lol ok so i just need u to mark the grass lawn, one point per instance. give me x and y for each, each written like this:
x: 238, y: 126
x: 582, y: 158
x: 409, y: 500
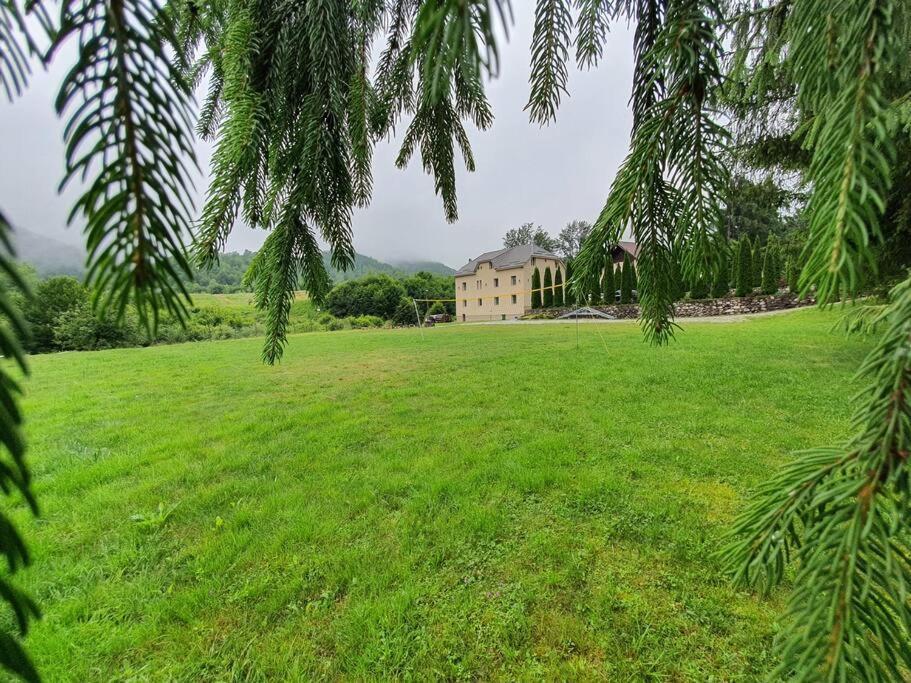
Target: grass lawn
x: 489, y: 502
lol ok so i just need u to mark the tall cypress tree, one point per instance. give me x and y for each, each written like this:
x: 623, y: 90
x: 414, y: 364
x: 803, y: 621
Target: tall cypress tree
x: 536, y: 289
x: 744, y: 281
x: 626, y: 281
x: 769, y: 278
x: 569, y: 296
x: 720, y: 283
x: 792, y: 274
x: 757, y: 263
x: 594, y: 290
x: 548, y: 289
x: 608, y: 286
x: 558, y: 288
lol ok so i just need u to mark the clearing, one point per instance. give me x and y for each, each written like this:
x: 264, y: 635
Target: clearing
x: 488, y: 503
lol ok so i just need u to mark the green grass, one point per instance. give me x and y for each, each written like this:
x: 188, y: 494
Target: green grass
x: 489, y: 502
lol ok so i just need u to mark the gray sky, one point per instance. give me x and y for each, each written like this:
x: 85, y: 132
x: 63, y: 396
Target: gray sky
x: 524, y: 173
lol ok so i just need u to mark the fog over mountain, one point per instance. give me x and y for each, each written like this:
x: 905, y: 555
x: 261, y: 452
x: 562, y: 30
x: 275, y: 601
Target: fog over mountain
x: 548, y: 175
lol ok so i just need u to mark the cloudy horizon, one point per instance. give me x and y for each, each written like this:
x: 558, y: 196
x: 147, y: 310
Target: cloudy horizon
x: 525, y: 173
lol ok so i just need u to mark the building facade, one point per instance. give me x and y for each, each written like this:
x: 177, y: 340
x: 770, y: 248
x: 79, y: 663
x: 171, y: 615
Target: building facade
x: 497, y: 285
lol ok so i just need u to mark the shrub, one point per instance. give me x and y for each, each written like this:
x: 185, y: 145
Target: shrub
x: 608, y: 288
x: 377, y: 295
x: 404, y: 313
x: 53, y: 297
x: 536, y: 289
x: 436, y: 308
x: 558, y: 288
x: 700, y: 289
x: 424, y: 285
x: 78, y: 329
x: 365, y: 321
x: 626, y: 281
x: 548, y: 289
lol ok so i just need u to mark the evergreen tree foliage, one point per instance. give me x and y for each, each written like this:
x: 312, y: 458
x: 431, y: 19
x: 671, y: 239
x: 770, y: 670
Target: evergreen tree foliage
x: 559, y: 298
x: 594, y: 288
x: 626, y: 281
x: 769, y: 277
x: 608, y: 286
x: 536, y: 289
x: 756, y: 263
x: 720, y: 286
x: 792, y: 275
x: 548, y: 298
x: 743, y: 284
x: 294, y: 110
x: 569, y: 291
x: 700, y: 289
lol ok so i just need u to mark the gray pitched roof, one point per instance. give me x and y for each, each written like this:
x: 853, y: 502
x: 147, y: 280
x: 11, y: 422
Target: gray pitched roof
x: 502, y: 259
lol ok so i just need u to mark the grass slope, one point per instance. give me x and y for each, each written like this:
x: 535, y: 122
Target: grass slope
x: 488, y: 503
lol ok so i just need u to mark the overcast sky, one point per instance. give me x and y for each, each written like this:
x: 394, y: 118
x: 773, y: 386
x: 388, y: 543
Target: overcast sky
x: 524, y: 173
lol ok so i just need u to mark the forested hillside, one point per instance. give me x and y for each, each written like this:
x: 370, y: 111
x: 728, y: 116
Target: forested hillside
x: 52, y: 257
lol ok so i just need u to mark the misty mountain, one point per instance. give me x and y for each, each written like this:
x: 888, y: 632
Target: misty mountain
x: 52, y: 257
x: 434, y: 267
x: 47, y: 255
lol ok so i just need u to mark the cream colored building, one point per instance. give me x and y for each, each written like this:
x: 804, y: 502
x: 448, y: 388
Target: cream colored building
x: 497, y: 285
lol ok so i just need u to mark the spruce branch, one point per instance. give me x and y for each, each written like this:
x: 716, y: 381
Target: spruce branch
x: 129, y: 128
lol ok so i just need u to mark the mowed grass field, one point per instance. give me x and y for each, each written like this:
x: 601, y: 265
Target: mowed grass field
x: 488, y: 502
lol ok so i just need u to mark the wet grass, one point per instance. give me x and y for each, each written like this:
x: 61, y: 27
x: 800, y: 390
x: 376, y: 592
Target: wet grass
x: 490, y: 502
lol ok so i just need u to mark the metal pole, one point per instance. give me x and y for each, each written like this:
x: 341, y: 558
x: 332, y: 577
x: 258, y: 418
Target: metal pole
x: 418, y: 316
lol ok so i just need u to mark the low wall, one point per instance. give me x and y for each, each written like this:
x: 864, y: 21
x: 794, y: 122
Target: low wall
x: 695, y: 309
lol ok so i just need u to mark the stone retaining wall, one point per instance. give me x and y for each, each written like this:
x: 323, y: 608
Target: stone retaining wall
x: 696, y: 309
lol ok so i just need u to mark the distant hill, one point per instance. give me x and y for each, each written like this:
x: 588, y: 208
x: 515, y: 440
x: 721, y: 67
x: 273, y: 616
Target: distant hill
x: 434, y: 267
x: 53, y: 257
x: 47, y: 255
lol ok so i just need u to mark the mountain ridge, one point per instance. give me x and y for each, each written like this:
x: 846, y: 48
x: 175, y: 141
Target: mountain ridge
x: 50, y: 256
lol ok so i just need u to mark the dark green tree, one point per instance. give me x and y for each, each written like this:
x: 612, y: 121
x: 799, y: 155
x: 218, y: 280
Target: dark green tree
x: 792, y: 275
x: 559, y: 298
x: 536, y: 289
x: 594, y: 288
x: 720, y: 286
x: 743, y: 284
x: 569, y: 294
x: 700, y: 289
x: 608, y: 286
x: 769, y: 277
x: 548, y: 298
x: 528, y: 233
x: 53, y: 297
x: 626, y: 281
x: 756, y: 263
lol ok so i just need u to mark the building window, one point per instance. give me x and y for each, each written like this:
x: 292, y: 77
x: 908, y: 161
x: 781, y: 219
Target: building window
x: 464, y: 286
x: 503, y: 317
x: 464, y: 303
x: 463, y: 317
x: 480, y: 302
x: 513, y: 280
x: 514, y: 298
x: 496, y: 301
x: 496, y: 282
x: 477, y: 284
